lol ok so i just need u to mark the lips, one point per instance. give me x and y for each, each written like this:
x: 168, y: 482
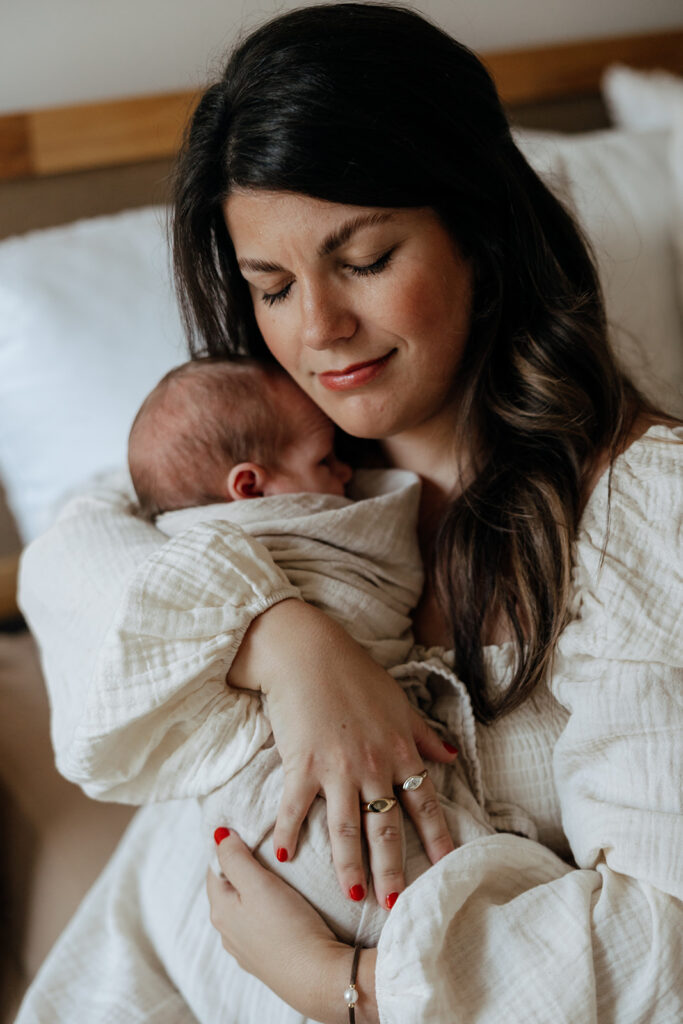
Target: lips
x: 356, y: 375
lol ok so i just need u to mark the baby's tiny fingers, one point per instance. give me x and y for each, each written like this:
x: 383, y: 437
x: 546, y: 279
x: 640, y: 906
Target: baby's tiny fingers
x: 297, y: 797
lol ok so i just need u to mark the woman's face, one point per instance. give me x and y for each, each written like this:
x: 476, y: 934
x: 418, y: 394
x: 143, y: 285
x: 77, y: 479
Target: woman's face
x: 367, y: 309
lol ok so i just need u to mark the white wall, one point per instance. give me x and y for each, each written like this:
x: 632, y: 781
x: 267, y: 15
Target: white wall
x: 54, y: 52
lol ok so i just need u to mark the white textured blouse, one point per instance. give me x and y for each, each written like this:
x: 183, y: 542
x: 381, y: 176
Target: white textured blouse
x: 584, y: 925
x: 588, y: 926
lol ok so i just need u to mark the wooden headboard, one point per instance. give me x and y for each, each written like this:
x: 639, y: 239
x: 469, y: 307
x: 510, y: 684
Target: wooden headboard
x: 63, y: 163
x: 65, y: 139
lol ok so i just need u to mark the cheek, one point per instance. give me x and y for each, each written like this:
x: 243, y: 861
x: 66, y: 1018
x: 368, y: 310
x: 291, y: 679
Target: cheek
x: 429, y: 313
x: 277, y: 338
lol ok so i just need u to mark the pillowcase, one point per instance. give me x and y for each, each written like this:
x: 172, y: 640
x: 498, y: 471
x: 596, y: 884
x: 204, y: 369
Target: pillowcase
x: 641, y: 99
x: 676, y: 155
x: 620, y: 188
x: 88, y: 325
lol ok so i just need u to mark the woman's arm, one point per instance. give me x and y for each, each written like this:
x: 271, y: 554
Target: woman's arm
x: 512, y: 932
x: 344, y: 728
x: 502, y: 929
x: 137, y: 635
x: 276, y: 936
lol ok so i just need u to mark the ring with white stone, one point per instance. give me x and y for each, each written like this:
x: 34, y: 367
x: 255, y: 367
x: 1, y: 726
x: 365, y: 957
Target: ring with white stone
x: 414, y: 781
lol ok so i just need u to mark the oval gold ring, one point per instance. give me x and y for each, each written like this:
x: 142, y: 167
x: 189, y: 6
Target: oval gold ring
x: 379, y: 806
x: 414, y: 781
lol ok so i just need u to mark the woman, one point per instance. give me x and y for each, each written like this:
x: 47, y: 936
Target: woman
x: 350, y: 203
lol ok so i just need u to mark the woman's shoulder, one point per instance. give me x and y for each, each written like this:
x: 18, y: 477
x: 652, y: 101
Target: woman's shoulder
x: 657, y: 445
x: 654, y: 444
x: 628, y: 565
x: 644, y: 482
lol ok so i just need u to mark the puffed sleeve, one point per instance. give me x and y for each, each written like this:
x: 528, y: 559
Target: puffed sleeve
x: 137, y: 634
x: 502, y: 929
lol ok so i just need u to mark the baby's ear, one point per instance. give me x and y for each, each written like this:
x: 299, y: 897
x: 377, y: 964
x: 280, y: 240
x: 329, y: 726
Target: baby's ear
x: 246, y: 480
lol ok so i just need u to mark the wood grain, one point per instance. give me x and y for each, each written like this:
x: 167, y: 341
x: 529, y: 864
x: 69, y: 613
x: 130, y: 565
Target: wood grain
x: 105, y: 134
x: 575, y: 69
x: 62, y: 139
x: 15, y: 146
x: 9, y: 567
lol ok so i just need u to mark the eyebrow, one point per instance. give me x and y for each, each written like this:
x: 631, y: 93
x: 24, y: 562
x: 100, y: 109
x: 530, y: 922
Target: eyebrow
x: 330, y: 243
x: 343, y: 233
x: 258, y: 266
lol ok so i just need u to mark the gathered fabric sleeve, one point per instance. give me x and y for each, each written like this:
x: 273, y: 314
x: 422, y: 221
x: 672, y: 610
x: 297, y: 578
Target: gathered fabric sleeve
x: 137, y: 634
x: 503, y: 929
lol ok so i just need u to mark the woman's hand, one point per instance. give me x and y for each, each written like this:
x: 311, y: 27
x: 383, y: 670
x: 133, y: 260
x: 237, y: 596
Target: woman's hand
x: 274, y: 934
x: 344, y: 728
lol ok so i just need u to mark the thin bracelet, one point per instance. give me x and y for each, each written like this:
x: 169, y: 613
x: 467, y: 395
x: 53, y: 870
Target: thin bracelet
x: 351, y: 993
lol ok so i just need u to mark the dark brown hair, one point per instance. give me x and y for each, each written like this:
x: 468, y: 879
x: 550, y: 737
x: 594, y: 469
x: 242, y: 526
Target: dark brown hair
x: 201, y: 419
x: 371, y: 104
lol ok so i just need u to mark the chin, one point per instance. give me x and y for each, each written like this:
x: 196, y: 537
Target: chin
x: 363, y: 420
x: 367, y: 430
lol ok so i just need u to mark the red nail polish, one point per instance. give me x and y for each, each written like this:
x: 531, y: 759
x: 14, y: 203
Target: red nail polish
x: 450, y: 748
x: 282, y: 855
x: 391, y: 899
x: 357, y: 893
x: 220, y: 834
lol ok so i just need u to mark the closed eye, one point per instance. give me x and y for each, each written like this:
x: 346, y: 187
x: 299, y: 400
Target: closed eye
x: 271, y: 298
x: 380, y: 264
x: 373, y: 268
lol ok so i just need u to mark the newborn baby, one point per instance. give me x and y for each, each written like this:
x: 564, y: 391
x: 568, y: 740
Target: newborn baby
x: 213, y: 433
x: 216, y: 431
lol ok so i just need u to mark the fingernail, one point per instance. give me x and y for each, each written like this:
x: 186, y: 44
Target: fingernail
x: 450, y: 748
x: 220, y: 834
x: 391, y: 899
x: 282, y: 855
x: 357, y: 893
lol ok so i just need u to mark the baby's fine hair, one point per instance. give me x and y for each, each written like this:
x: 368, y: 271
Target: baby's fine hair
x: 201, y: 419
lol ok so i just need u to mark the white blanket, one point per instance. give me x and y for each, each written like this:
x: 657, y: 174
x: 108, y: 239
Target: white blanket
x: 356, y: 558
x: 359, y: 562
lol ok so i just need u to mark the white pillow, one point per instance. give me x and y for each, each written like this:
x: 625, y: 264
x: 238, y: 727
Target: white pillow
x: 621, y: 190
x: 642, y: 100
x: 88, y: 320
x: 639, y: 99
x: 676, y: 155
x: 88, y: 324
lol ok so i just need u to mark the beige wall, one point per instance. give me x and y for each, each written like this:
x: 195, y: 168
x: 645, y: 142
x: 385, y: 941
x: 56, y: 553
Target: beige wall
x: 65, y: 51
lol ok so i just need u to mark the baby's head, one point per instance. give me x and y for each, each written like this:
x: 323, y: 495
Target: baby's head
x: 214, y: 431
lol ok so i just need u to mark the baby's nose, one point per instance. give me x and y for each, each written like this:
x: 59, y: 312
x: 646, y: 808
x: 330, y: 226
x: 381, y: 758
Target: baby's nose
x: 342, y: 471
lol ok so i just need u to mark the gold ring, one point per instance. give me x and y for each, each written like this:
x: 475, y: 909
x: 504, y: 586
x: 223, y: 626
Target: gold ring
x: 379, y: 806
x: 414, y: 781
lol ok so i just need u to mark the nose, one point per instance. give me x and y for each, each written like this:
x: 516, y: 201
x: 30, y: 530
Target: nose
x: 342, y: 471
x: 326, y: 316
